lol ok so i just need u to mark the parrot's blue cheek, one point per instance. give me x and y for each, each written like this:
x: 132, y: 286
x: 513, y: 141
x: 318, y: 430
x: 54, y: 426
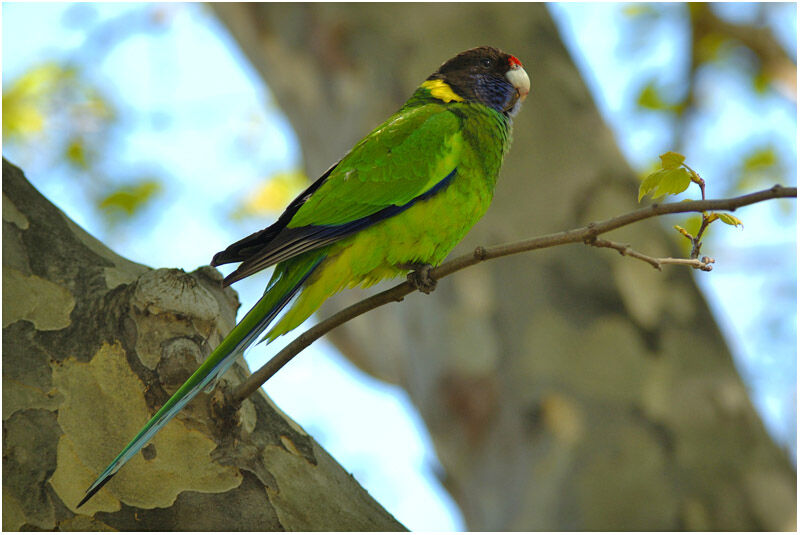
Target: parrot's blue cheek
x: 497, y: 93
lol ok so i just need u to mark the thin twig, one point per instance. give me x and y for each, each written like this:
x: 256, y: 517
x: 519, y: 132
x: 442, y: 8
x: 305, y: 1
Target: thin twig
x: 480, y: 254
x: 626, y: 250
x: 695, y: 177
x: 697, y: 242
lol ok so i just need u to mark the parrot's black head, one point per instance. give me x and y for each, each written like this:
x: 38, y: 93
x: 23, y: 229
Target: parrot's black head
x: 486, y: 75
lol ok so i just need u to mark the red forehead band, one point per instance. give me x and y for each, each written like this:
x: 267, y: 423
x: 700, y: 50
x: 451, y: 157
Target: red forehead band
x: 512, y: 61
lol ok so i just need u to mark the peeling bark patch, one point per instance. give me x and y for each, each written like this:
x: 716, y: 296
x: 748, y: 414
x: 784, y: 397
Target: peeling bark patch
x: 18, y: 396
x: 289, y: 445
x: 247, y: 416
x: 28, y: 297
x: 13, y: 512
x: 103, y: 408
x: 83, y: 523
x: 72, y: 477
x: 274, y: 428
x: 13, y: 215
x: 262, y: 424
x: 14, y: 253
x: 118, y: 277
x: 123, y: 271
x: 27, y: 379
x: 249, y: 500
x: 29, y: 457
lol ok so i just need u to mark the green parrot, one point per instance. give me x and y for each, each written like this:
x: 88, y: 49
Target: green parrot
x: 400, y: 200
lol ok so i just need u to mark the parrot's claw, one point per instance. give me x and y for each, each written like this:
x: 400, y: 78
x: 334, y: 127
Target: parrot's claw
x: 420, y: 277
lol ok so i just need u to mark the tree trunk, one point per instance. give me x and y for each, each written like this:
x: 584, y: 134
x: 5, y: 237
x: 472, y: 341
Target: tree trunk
x: 93, y: 344
x: 570, y: 389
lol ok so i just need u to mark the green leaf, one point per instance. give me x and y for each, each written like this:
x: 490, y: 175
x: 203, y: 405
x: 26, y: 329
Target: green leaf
x: 665, y: 182
x: 760, y: 159
x: 650, y: 98
x: 673, y: 181
x: 25, y: 100
x: 648, y: 184
x: 272, y: 195
x: 730, y: 219
x: 76, y: 153
x: 760, y: 166
x: 711, y: 46
x: 130, y: 199
x: 639, y: 10
x: 671, y: 160
x: 761, y: 82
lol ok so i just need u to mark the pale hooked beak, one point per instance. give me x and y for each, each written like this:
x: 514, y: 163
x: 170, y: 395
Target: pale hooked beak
x: 519, y: 79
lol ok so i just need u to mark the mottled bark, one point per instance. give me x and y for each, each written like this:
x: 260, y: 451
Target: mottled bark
x: 92, y: 345
x: 564, y: 389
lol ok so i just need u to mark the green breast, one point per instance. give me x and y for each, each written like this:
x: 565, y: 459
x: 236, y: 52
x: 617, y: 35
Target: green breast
x: 428, y: 230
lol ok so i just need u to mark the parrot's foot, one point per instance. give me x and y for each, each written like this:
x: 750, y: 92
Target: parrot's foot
x: 420, y: 277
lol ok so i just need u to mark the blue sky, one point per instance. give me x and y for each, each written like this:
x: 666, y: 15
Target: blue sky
x: 208, y: 125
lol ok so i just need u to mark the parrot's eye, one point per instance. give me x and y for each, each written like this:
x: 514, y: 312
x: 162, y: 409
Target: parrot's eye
x: 486, y: 63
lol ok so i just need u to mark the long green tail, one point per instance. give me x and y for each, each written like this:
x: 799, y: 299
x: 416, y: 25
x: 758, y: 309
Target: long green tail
x: 285, y: 283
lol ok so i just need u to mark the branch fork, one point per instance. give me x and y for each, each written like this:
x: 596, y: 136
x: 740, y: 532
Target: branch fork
x: 624, y: 249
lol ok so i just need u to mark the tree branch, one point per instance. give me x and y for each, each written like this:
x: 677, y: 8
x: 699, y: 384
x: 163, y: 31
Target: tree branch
x: 625, y: 250
x: 586, y: 234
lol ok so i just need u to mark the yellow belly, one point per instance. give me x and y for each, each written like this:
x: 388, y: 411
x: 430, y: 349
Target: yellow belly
x: 424, y: 233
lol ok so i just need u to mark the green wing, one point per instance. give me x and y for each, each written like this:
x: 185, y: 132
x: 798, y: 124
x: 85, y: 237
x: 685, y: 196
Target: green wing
x: 411, y: 155
x: 405, y: 157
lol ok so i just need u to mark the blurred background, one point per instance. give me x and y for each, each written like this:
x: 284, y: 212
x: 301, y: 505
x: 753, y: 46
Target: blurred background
x: 149, y: 127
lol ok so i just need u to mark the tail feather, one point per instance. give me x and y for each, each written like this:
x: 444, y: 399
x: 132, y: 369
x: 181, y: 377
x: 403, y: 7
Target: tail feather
x: 282, y: 288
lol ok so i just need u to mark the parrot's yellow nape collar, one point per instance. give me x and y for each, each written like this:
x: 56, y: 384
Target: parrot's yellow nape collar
x: 439, y: 89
